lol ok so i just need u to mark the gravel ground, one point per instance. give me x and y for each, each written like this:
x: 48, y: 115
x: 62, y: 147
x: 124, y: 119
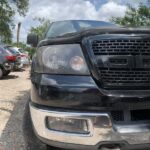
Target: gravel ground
x: 14, y: 91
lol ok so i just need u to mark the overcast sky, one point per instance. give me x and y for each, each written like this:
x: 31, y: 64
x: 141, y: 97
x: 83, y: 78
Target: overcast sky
x: 69, y: 9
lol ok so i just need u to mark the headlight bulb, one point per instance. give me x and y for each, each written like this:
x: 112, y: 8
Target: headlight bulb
x: 77, y: 63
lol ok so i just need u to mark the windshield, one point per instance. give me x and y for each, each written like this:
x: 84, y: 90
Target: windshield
x: 63, y: 27
x: 13, y: 51
x: 1, y: 50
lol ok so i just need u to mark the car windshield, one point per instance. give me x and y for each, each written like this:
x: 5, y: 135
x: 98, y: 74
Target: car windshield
x: 13, y: 51
x: 61, y: 28
x: 1, y: 50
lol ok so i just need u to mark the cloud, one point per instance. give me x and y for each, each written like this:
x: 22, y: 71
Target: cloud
x: 75, y: 9
x: 69, y: 9
x: 111, y: 9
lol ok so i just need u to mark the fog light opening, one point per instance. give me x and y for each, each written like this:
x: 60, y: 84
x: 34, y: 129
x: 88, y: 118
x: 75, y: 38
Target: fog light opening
x: 110, y: 147
x: 67, y: 125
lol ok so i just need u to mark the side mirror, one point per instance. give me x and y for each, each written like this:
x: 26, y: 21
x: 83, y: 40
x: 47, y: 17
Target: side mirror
x: 32, y: 39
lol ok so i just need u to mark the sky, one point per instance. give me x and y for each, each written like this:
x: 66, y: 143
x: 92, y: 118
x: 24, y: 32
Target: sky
x: 69, y: 9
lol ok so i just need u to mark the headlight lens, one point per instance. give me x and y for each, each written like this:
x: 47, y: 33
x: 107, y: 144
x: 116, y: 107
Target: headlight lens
x: 63, y: 59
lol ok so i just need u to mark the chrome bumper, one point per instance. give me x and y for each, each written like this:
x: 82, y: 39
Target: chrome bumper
x: 132, y: 135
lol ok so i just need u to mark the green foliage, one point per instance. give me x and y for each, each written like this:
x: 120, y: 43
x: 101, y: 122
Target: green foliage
x: 22, y: 6
x: 135, y: 17
x: 7, y: 12
x: 20, y: 44
x: 41, y: 29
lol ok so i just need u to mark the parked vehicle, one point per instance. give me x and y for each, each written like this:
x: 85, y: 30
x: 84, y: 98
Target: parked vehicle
x: 6, y: 62
x: 90, y: 88
x: 17, y: 64
x: 25, y: 60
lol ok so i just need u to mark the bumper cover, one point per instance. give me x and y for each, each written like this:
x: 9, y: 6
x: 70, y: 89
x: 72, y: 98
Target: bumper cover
x: 99, y: 133
x: 82, y: 93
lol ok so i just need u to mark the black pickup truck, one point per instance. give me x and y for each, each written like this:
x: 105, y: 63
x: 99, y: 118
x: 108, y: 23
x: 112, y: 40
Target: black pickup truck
x: 90, y: 88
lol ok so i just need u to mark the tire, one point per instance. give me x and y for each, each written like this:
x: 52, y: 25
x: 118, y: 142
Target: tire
x: 31, y: 141
x: 6, y: 73
x: 1, y: 73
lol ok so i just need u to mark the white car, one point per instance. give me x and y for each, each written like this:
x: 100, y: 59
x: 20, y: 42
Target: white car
x: 25, y: 60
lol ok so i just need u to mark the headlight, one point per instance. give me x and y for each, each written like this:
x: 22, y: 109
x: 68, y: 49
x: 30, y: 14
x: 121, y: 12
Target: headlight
x: 63, y: 59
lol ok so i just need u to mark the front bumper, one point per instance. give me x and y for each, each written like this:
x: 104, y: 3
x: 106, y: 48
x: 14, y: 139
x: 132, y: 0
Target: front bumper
x: 104, y: 132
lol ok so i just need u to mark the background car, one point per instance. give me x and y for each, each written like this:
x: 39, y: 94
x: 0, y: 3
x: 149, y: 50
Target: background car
x: 25, y: 60
x: 6, y: 62
x: 17, y: 64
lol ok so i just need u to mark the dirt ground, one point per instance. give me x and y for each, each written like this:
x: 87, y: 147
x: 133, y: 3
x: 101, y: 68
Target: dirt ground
x: 14, y: 91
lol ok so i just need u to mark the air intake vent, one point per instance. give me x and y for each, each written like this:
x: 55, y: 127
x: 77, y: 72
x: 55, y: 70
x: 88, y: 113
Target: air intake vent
x: 117, y: 115
x: 140, y: 115
x: 132, y: 115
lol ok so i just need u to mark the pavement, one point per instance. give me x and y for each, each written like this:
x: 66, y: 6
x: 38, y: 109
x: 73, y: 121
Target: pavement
x: 14, y: 92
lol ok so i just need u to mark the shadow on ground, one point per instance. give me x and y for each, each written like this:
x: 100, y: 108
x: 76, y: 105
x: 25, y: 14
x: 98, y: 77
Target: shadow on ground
x: 9, y: 77
x: 20, y: 70
x: 12, y: 135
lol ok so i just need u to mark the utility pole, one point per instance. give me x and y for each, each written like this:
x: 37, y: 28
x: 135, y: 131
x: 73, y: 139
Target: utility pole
x: 18, y: 33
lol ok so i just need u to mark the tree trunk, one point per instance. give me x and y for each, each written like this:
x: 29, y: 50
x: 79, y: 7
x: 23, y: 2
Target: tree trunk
x: 18, y: 33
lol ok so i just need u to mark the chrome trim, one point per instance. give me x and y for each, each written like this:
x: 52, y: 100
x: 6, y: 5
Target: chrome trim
x: 98, y: 133
x: 133, y: 128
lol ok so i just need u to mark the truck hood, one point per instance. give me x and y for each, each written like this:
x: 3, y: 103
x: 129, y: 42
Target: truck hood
x: 77, y: 37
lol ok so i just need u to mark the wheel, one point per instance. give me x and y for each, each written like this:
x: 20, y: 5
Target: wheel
x: 1, y: 73
x: 31, y: 141
x: 6, y: 73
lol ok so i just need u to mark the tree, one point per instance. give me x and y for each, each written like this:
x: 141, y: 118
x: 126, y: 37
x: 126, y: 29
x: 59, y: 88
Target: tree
x: 8, y: 8
x: 20, y: 45
x: 18, y: 32
x: 22, y: 6
x: 41, y: 29
x: 135, y: 17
